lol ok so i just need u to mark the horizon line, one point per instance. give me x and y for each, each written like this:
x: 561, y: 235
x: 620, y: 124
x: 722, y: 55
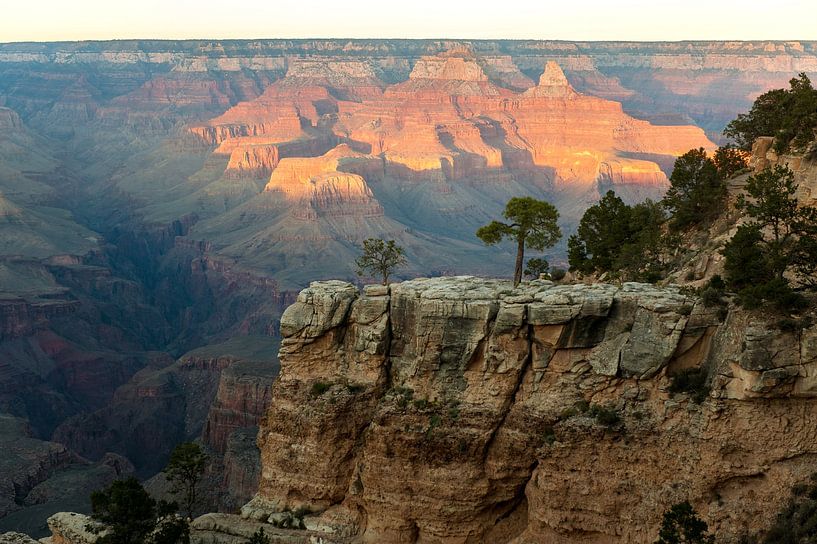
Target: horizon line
x: 556, y: 40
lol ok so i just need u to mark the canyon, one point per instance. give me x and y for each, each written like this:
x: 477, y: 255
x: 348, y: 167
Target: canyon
x: 163, y: 203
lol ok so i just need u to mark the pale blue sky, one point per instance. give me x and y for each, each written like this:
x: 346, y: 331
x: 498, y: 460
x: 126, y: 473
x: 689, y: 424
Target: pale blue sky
x: 41, y: 20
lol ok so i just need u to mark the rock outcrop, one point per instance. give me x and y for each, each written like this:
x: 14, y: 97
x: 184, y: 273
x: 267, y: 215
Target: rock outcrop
x: 16, y: 538
x: 463, y: 410
x: 71, y: 528
x: 804, y: 167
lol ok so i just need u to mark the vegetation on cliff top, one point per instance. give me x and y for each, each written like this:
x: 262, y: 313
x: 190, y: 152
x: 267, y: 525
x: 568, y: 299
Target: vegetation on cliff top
x: 790, y: 115
x: 633, y: 242
x: 380, y: 257
x: 532, y: 223
x: 776, y: 247
x: 771, y: 258
x: 697, y: 190
x: 617, y: 238
x: 132, y: 516
x: 184, y: 470
x: 796, y: 523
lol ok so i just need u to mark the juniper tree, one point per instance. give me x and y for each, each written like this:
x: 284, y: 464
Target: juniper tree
x: 380, y: 257
x: 184, y: 471
x: 682, y: 525
x: 696, y: 190
x: 778, y: 242
x: 531, y: 223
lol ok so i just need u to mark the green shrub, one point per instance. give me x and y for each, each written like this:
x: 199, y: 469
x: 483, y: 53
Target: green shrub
x: 579, y: 407
x: 319, y: 388
x: 549, y: 435
x: 796, y: 523
x: 788, y: 324
x: 693, y: 381
x: 536, y: 266
x: 557, y: 274
x: 259, y: 537
x: 127, y: 509
x: 711, y: 297
x: 454, y: 413
x: 681, y: 524
x: 603, y: 415
x: 716, y: 282
x: 172, y: 530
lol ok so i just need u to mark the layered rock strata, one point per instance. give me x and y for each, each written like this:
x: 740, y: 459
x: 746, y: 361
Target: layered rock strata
x: 450, y: 121
x: 464, y: 410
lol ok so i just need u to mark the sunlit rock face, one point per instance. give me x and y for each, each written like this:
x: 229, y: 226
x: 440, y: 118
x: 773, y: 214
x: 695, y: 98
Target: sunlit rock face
x: 342, y: 156
x: 449, y: 121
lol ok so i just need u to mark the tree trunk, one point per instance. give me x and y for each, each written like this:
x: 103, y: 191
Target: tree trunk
x: 520, y: 259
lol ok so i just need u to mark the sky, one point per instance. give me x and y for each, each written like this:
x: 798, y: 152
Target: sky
x: 640, y: 20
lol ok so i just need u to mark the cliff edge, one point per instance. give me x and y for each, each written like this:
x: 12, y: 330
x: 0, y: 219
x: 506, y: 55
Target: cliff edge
x: 459, y: 409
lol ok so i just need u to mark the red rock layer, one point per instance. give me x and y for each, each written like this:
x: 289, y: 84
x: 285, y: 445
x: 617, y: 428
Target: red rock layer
x: 449, y: 121
x: 242, y: 398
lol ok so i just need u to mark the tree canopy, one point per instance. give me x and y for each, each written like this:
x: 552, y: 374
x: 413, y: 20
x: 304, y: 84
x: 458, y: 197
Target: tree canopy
x: 730, y: 161
x: 184, y: 470
x: 789, y: 115
x: 127, y: 509
x: 380, y: 257
x: 697, y: 190
x: 531, y: 223
x: 620, y: 239
x: 777, y: 243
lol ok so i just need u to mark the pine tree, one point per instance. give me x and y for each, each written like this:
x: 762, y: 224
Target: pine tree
x: 531, y: 222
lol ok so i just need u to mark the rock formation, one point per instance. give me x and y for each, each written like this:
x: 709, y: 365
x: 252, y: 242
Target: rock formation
x: 71, y: 528
x: 16, y: 538
x: 463, y: 410
x: 804, y: 168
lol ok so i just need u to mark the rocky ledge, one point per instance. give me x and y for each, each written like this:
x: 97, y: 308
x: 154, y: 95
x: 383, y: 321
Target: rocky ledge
x: 463, y: 410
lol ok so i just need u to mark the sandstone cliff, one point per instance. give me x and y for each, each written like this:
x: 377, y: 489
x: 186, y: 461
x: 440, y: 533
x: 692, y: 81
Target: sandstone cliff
x: 463, y: 410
